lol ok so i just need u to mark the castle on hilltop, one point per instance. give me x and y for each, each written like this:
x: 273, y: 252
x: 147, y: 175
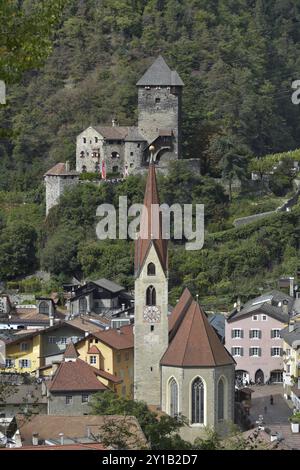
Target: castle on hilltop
x: 120, y: 150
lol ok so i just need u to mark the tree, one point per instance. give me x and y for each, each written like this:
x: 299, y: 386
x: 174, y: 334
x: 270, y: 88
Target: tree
x: 231, y: 154
x: 162, y: 433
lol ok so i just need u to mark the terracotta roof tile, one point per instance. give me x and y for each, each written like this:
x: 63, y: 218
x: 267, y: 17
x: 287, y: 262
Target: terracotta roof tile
x: 75, y: 376
x: 122, y: 340
x: 70, y: 352
x: 195, y: 342
x: 149, y: 227
x: 94, y: 350
x: 60, y: 170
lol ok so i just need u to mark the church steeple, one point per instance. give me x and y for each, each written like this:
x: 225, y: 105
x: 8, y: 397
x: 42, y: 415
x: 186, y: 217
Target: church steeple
x: 151, y: 226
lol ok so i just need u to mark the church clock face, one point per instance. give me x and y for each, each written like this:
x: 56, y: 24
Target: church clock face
x: 151, y: 314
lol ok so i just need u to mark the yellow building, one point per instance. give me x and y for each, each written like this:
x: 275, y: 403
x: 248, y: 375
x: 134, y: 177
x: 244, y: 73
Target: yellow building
x: 23, y: 353
x: 111, y: 352
x: 291, y: 361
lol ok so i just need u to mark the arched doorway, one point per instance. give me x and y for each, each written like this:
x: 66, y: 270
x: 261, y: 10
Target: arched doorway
x: 259, y: 377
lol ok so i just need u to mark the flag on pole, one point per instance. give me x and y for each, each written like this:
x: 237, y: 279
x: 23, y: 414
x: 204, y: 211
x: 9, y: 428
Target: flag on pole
x: 126, y: 171
x: 103, y: 171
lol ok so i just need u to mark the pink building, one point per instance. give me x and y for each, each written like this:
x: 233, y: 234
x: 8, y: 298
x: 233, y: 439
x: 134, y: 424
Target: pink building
x: 252, y: 336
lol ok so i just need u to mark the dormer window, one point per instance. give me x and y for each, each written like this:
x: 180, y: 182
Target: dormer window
x: 151, y: 269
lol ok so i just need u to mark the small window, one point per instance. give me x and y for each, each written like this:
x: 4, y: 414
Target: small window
x: 157, y: 100
x: 255, y: 317
x: 151, y: 369
x: 138, y: 146
x: 131, y: 165
x: 93, y: 359
x: 115, y: 169
x: 275, y: 333
x: 255, y: 352
x: 115, y: 155
x: 151, y: 269
x: 275, y: 352
x: 118, y: 357
x: 24, y: 347
x: 69, y: 400
x: 63, y: 340
x: 84, y: 398
x: 151, y: 296
x: 131, y: 154
x: 96, y: 140
x: 152, y: 328
x: 264, y: 317
x: 83, y: 169
x: 51, y: 339
x: 237, y: 333
x: 237, y: 351
x: 255, y: 334
x: 82, y: 154
x: 9, y: 363
x: 44, y: 308
x: 84, y: 140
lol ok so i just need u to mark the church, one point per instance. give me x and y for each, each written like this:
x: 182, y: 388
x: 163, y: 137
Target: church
x: 180, y: 365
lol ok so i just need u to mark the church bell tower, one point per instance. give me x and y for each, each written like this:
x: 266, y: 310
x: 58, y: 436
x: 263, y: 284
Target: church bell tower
x: 151, y: 299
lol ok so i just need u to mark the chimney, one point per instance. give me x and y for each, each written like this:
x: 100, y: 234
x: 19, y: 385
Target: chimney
x: 67, y: 166
x: 35, y: 438
x: 61, y: 435
x: 285, y: 307
x: 238, y: 304
x: 291, y: 326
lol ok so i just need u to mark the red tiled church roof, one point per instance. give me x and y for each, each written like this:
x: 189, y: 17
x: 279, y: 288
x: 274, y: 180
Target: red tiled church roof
x: 142, y: 245
x: 193, y: 341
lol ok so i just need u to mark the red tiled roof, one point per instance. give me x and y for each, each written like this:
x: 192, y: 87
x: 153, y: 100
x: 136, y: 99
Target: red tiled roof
x: 179, y: 311
x: 60, y: 169
x: 195, y: 342
x: 111, y: 337
x: 142, y: 245
x: 75, y: 376
x: 71, y: 352
x: 94, y: 350
x: 106, y: 375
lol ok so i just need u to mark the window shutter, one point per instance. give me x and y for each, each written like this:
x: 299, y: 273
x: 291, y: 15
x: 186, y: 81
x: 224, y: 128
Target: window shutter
x: 250, y: 334
x: 281, y: 351
x: 271, y: 351
x: 242, y: 333
x: 242, y: 351
x: 250, y: 354
x: 260, y: 334
x: 20, y: 362
x: 232, y: 351
x: 259, y: 351
x: 232, y: 334
x: 29, y: 363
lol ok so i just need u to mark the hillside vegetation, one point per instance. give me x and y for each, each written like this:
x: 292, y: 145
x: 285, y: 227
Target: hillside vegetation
x: 237, y: 59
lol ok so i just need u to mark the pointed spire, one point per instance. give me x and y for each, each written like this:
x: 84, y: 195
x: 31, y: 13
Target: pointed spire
x: 151, y: 225
x: 160, y: 74
x: 70, y: 352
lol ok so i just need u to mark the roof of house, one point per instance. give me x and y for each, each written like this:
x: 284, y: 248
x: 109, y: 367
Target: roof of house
x: 151, y: 229
x: 269, y: 303
x: 193, y: 341
x: 121, y: 338
x: 49, y: 427
x: 112, y: 132
x: 70, y: 352
x: 77, y: 376
x: 159, y: 73
x: 256, y: 437
x: 108, y: 285
x: 290, y: 337
x: 217, y: 321
x: 93, y: 350
x: 60, y: 170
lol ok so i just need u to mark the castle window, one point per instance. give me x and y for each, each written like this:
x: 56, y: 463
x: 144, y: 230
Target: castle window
x: 96, y: 140
x: 44, y: 308
x: 82, y: 305
x: 221, y: 399
x: 173, y: 394
x: 115, y: 155
x: 131, y: 153
x: 152, y: 328
x: 157, y: 100
x: 84, y: 140
x: 82, y: 154
x: 151, y: 269
x: 131, y: 165
x: 197, y: 401
x: 151, y: 296
x: 138, y: 146
x: 115, y: 169
x: 84, y: 169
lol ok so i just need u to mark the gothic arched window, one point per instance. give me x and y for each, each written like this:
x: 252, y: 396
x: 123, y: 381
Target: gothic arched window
x: 82, y: 305
x: 198, y: 401
x: 44, y: 308
x: 151, y: 269
x: 221, y: 390
x: 173, y: 394
x: 151, y: 296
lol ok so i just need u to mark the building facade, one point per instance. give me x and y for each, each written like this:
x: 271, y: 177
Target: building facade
x: 252, y: 335
x: 291, y: 362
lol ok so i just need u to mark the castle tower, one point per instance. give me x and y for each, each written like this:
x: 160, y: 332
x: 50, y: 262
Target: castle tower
x: 57, y: 179
x: 151, y: 300
x: 159, y: 110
